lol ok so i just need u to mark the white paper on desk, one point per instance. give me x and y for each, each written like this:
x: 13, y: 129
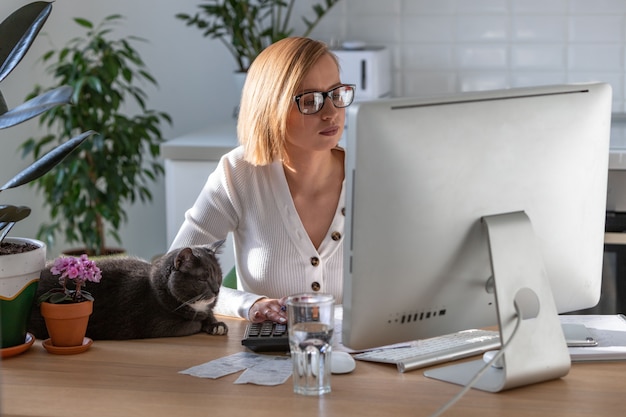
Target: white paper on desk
x: 273, y: 371
x: 225, y: 366
x: 608, y: 330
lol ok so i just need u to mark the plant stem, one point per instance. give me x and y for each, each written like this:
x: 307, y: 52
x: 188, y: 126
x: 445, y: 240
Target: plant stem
x: 99, y: 223
x: 77, y: 291
x: 287, y: 17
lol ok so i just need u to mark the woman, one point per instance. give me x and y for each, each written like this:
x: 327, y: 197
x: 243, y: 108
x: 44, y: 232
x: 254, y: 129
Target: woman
x: 281, y: 191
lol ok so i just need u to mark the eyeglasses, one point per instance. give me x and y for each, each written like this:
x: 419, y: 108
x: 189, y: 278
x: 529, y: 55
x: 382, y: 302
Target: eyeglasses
x: 312, y: 102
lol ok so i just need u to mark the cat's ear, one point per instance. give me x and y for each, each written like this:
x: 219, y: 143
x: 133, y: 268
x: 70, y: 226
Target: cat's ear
x: 184, y: 255
x: 217, y: 246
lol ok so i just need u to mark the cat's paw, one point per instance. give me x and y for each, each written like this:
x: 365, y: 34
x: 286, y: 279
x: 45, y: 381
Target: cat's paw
x: 218, y: 328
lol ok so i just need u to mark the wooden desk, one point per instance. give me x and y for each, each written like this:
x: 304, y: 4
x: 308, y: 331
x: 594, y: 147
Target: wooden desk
x: 140, y: 378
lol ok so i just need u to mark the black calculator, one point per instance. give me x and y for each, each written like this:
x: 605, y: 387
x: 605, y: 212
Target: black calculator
x: 267, y: 336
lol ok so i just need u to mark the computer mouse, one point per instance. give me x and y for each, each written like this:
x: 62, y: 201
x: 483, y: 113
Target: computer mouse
x: 488, y: 357
x: 341, y: 363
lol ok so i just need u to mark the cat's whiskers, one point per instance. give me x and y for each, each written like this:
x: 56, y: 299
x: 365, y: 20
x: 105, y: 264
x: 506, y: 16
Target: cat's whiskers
x: 198, y: 303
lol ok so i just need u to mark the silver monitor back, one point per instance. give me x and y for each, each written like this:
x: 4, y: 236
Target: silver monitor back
x: 422, y: 172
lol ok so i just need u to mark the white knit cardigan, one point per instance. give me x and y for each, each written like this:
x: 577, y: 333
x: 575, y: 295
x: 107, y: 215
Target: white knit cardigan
x: 274, y: 256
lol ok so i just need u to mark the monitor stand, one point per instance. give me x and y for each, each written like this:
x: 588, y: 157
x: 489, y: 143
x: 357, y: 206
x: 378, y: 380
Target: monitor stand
x: 537, y: 351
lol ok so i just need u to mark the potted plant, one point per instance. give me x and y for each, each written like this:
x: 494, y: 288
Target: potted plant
x: 86, y: 195
x: 66, y: 310
x: 21, y: 259
x: 246, y: 27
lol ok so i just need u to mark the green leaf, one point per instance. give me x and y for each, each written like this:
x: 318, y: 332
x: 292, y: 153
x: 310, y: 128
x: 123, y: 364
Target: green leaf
x: 54, y: 296
x: 36, y: 106
x: 247, y: 27
x: 83, y: 22
x: 87, y: 296
x: 18, y: 31
x: 46, y: 162
x: 9, y: 213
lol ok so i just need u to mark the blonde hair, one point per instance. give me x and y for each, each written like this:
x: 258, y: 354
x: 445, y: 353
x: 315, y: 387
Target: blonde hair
x: 271, y: 82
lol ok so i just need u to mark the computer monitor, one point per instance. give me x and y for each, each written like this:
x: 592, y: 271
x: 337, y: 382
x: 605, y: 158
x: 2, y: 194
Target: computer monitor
x: 426, y: 177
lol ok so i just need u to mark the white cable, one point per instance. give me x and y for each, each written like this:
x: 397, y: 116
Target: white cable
x: 482, y: 370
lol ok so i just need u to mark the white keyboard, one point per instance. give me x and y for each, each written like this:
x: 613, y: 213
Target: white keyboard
x: 436, y: 350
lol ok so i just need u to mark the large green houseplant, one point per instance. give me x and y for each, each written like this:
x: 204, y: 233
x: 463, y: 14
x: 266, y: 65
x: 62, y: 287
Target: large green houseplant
x: 22, y: 259
x: 246, y: 27
x: 86, y: 195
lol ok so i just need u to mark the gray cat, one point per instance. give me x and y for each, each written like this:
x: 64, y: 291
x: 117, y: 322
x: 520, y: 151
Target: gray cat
x: 173, y: 296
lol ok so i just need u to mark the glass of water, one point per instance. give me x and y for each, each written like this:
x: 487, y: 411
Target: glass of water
x: 311, y: 324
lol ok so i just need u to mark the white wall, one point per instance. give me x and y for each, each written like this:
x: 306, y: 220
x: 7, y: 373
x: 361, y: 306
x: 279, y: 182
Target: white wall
x: 459, y: 45
x: 438, y: 46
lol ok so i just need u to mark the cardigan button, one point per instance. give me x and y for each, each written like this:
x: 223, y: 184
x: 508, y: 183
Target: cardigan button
x: 335, y: 236
x: 315, y: 286
x: 315, y: 261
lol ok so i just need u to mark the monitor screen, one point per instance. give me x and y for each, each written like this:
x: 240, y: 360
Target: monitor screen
x: 421, y: 173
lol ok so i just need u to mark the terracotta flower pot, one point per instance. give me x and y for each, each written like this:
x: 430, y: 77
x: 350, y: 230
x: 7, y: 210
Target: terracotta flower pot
x: 67, y: 323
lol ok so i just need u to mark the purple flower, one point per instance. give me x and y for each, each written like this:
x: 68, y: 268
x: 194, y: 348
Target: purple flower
x: 78, y: 270
x: 72, y: 272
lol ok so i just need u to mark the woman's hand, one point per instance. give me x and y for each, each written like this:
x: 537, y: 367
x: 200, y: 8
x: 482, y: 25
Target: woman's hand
x: 269, y: 309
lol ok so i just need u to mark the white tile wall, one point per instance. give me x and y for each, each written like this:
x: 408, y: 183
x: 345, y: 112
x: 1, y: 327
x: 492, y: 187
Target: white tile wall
x: 442, y: 46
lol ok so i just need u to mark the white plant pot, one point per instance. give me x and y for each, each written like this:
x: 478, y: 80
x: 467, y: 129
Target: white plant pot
x: 19, y: 278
